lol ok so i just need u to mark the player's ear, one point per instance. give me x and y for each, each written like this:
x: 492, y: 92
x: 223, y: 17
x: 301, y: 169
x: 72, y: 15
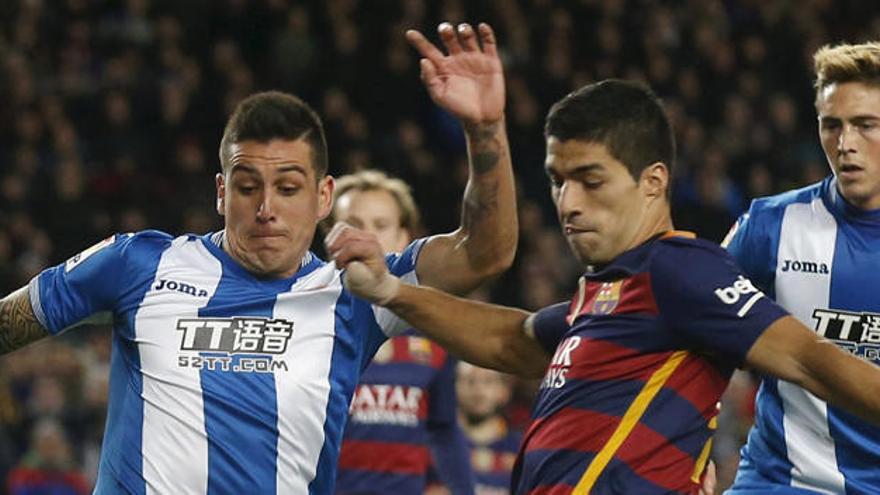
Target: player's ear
x: 325, y: 196
x: 221, y: 193
x: 655, y: 180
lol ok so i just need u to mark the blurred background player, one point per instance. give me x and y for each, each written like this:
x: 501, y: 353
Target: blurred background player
x: 403, y: 412
x: 482, y: 396
x: 816, y: 250
x: 49, y: 468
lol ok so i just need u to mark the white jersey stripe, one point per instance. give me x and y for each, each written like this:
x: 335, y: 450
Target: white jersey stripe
x: 809, y: 443
x: 303, y: 392
x: 173, y: 408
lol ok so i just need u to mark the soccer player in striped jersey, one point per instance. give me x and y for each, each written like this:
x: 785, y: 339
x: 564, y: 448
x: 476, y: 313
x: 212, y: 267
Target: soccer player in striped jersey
x: 482, y: 394
x: 634, y: 365
x: 816, y: 250
x: 403, y: 412
x: 236, y: 353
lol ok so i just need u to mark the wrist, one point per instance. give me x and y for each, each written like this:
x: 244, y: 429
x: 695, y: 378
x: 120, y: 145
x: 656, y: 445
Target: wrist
x: 478, y: 128
x: 386, y: 290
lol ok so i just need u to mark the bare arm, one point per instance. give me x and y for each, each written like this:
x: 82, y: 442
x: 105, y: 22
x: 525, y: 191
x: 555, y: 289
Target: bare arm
x: 469, y: 83
x: 487, y: 335
x: 484, y: 334
x: 791, y: 351
x: 18, y: 325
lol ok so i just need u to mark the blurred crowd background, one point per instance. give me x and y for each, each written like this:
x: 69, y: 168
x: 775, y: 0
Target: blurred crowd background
x: 112, y: 112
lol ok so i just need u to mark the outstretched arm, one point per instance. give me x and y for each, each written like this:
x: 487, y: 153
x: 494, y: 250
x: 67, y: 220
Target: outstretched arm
x: 468, y: 82
x: 792, y: 352
x: 487, y: 335
x: 18, y: 325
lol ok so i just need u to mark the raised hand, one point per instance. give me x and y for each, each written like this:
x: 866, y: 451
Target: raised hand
x: 469, y: 81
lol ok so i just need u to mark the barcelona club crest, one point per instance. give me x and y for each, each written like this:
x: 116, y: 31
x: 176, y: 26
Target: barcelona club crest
x: 607, y: 298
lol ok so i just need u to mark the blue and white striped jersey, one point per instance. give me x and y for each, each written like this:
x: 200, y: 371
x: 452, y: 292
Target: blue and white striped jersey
x: 820, y: 258
x: 221, y: 382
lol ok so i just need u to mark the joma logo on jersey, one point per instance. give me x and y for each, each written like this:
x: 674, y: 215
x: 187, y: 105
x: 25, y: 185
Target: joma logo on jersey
x: 804, y: 266
x: 235, y: 335
x: 182, y: 287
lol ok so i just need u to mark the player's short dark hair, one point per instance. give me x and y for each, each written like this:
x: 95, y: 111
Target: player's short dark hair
x: 270, y: 115
x: 627, y: 117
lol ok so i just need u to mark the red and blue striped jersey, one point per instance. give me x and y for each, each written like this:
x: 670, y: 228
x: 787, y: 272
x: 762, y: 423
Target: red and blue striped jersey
x: 641, y: 356
x: 493, y: 461
x: 406, y: 391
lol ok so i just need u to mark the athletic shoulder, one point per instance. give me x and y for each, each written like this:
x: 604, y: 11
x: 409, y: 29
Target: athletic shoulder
x: 769, y: 209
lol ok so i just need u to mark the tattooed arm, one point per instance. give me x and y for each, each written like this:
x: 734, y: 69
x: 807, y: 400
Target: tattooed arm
x: 469, y: 83
x: 18, y: 325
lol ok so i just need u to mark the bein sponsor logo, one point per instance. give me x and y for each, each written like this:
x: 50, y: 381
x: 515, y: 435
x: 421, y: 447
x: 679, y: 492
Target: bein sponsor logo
x: 732, y: 294
x: 805, y: 267
x: 741, y: 287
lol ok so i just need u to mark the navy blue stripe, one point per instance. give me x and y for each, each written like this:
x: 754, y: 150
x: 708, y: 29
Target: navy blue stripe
x: 416, y: 435
x: 362, y: 482
x: 546, y: 468
x: 241, y: 410
x: 669, y: 414
x: 552, y: 467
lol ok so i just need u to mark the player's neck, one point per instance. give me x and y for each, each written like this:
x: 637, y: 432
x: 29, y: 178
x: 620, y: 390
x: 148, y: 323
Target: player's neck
x: 654, y: 223
x: 484, y: 432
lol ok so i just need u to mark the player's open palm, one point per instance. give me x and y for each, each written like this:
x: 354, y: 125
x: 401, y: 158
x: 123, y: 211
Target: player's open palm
x: 467, y: 82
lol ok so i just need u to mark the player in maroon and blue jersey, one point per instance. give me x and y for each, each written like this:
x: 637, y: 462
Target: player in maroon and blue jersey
x: 634, y: 365
x: 482, y: 394
x: 403, y: 412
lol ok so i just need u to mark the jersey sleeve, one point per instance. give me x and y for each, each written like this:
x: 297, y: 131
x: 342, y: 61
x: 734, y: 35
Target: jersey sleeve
x: 401, y: 265
x: 706, y: 299
x: 84, y: 285
x: 751, y: 243
x: 549, y: 325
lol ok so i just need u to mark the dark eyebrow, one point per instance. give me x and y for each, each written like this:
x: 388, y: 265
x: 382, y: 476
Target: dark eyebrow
x: 246, y: 168
x: 855, y: 119
x: 859, y: 119
x: 579, y: 169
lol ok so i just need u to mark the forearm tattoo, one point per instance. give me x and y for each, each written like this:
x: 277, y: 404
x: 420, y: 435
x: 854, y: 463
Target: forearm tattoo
x: 18, y: 325
x: 479, y: 207
x: 485, y: 146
